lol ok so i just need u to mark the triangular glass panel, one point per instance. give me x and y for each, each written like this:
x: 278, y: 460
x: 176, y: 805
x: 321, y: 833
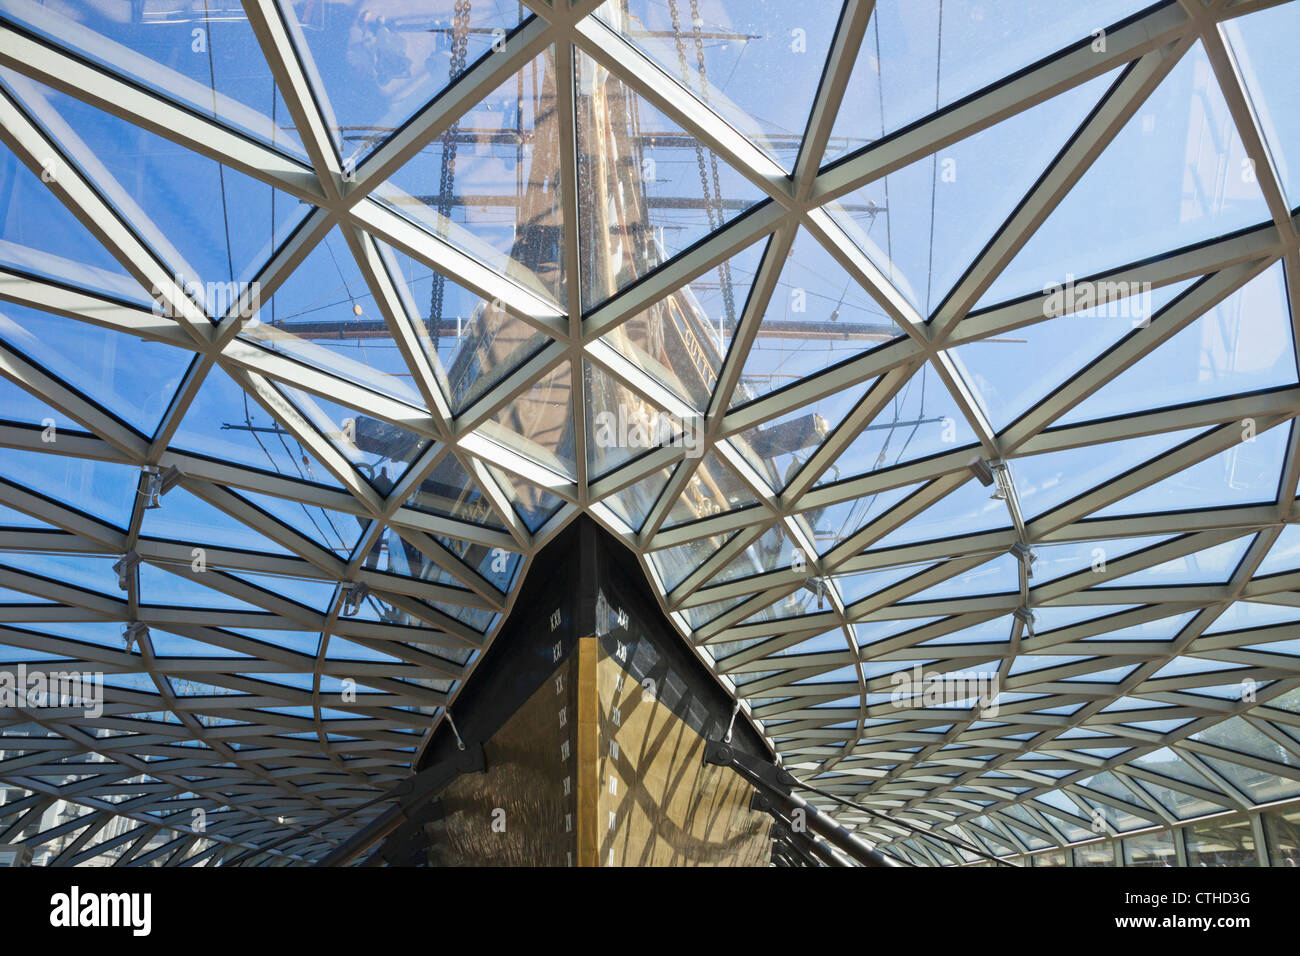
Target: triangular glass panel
x: 1259, y: 784
x: 1176, y: 174
x: 160, y: 588
x: 333, y: 530
x: 1238, y: 734
x: 373, y: 69
x: 1045, y: 481
x: 920, y: 420
x: 9, y: 518
x: 132, y: 378
x: 1054, y: 618
x: 449, y: 491
x: 21, y: 406
x: 862, y: 584
x: 1162, y: 629
x: 1010, y: 372
x: 225, y: 423
x: 833, y: 523
x: 495, y: 564
x: 1211, y: 566
x: 1053, y: 561
x: 967, y: 509
x: 995, y: 631
x: 324, y: 315
x: 728, y: 54
x: 818, y: 317
x: 1184, y: 666
x: 925, y: 224
x: 713, y: 489
x: 1243, y: 615
x: 667, y: 200
x: 393, y: 554
x: 1243, y: 344
x: 497, y: 196
x: 533, y: 504
x: 633, y: 503
x: 539, y: 423
x: 772, y: 551
x: 998, y: 576
x: 779, y: 447
x: 621, y: 424
x: 194, y: 53
x: 675, y: 564
x: 104, y: 489
x: 305, y: 591
x: 804, y: 601
x: 213, y: 227
x: 702, y: 614
x: 1284, y: 555
x: 1261, y: 44
x: 1030, y: 663
x: 91, y: 572
x: 40, y: 236
x: 379, y: 450
x: 471, y: 343
x: 186, y: 518
x: 683, y: 338
x: 301, y: 642
x: 1247, y: 473
x: 919, y: 56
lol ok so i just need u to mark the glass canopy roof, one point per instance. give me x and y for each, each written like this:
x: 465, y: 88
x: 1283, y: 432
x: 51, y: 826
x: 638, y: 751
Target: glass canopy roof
x: 937, y: 359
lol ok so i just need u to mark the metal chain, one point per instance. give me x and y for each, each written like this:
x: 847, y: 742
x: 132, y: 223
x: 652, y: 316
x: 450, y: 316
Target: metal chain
x: 724, y: 270
x: 459, y: 54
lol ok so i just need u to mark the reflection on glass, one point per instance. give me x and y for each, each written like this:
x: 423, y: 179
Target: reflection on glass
x: 757, y: 63
x: 682, y: 339
x: 490, y: 184
x: 194, y: 51
x: 471, y: 343
x: 40, y: 236
x: 539, y: 423
x: 647, y: 189
x: 1221, y: 843
x: 376, y: 62
x: 1149, y: 849
x: 1095, y: 854
x: 1051, y: 858
x: 1243, y: 344
x: 1282, y: 834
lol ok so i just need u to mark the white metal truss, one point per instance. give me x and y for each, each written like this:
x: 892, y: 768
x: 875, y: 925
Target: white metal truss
x: 254, y: 736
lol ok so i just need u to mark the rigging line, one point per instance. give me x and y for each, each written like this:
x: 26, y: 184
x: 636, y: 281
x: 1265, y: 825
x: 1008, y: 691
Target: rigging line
x: 347, y: 290
x: 248, y: 420
x: 934, y: 165
x: 221, y: 170
x: 919, y: 417
x: 309, y: 475
x: 880, y: 90
x: 713, y: 194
